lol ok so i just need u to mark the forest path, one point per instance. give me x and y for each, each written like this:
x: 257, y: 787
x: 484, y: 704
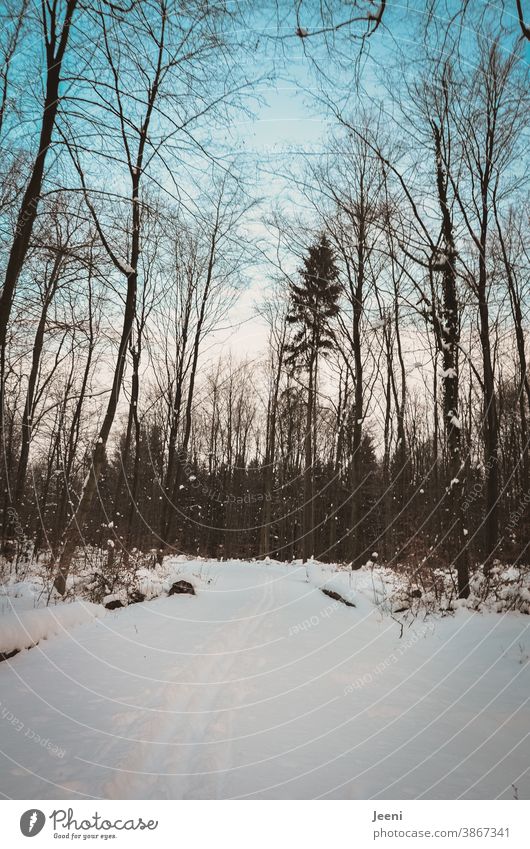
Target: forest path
x: 262, y: 686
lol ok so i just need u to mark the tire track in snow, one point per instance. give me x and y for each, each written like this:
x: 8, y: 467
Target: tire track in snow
x: 198, y: 766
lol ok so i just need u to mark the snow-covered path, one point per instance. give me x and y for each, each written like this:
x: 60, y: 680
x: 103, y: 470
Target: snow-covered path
x: 261, y: 686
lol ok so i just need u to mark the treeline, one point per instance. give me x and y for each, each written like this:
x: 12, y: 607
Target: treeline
x: 389, y: 412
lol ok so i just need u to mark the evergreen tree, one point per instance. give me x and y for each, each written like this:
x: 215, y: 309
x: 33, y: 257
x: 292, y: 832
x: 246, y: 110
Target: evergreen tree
x: 314, y: 303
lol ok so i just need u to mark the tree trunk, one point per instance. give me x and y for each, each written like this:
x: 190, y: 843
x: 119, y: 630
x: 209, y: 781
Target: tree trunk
x: 27, y: 418
x: 449, y: 333
x: 55, y: 50
x: 309, y: 507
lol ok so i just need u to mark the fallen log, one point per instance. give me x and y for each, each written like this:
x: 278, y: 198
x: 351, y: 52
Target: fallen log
x: 337, y: 597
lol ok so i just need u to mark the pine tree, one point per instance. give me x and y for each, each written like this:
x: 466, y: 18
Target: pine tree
x: 314, y: 303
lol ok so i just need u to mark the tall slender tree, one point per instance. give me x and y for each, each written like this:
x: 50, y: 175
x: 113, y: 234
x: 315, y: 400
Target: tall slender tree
x: 314, y: 303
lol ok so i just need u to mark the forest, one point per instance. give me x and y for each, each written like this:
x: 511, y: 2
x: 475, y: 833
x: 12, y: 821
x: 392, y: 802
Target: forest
x: 383, y: 410
x: 265, y: 417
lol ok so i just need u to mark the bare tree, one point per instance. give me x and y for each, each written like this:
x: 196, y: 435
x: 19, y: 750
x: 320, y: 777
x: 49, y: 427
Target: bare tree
x: 55, y: 24
x: 171, y: 45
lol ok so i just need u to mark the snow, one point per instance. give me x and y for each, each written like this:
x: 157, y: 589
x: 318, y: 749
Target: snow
x: 261, y: 686
x: 25, y: 629
x: 22, y: 594
x: 125, y: 267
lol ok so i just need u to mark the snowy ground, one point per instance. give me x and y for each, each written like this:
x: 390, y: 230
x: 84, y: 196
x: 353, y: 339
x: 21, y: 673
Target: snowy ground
x: 261, y: 686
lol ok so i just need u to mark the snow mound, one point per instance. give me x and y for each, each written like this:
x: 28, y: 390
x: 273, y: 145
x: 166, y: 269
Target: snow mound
x: 24, y: 594
x: 23, y: 630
